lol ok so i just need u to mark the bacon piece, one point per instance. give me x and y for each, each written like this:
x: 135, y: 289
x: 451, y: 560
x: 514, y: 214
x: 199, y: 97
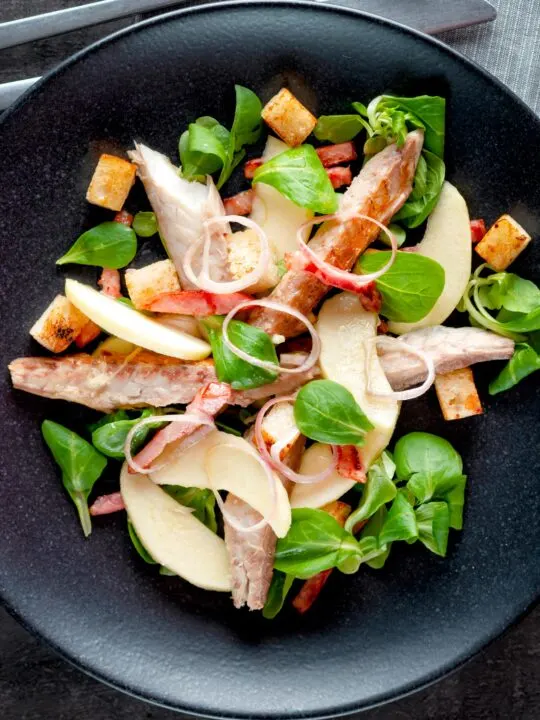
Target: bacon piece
x: 197, y: 302
x: 349, y: 464
x: 208, y: 402
x: 379, y: 191
x: 107, y: 504
x: 331, y: 155
x: 239, y: 204
x: 109, y: 282
x: 124, y: 218
x: 311, y: 588
x: 339, y: 176
x: 89, y: 332
x: 478, y: 230
x: 251, y: 166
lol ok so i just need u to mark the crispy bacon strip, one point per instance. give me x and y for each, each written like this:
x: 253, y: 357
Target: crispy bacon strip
x: 208, y: 402
x: 239, y: 204
x: 331, y: 155
x: 339, y: 176
x: 124, y: 218
x: 197, y: 302
x: 109, y: 282
x: 349, y: 464
x: 311, y: 588
x: 478, y: 230
x: 107, y: 504
x: 251, y: 166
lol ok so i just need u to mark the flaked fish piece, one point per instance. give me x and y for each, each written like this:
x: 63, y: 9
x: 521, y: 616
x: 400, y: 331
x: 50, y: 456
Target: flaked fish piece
x: 252, y: 553
x: 144, y: 379
x: 379, y: 191
x: 449, y: 348
x: 181, y: 206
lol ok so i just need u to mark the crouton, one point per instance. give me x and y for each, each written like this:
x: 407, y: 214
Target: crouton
x: 59, y: 325
x: 288, y: 118
x: 243, y: 252
x: 146, y: 284
x: 457, y: 394
x: 111, y: 182
x: 503, y: 242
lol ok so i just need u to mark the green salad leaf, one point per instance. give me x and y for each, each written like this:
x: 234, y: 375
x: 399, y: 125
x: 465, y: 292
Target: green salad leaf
x: 523, y: 363
x: 410, y: 288
x: 201, y: 500
x: 373, y: 529
x: 379, y: 490
x: 109, y: 438
x: 207, y: 146
x: 145, y: 224
x: 327, y: 412
x: 400, y: 522
x: 433, y: 523
x: 427, y: 186
x: 340, y: 128
x: 277, y: 594
x: 399, y: 233
x: 111, y: 245
x: 80, y: 463
x: 240, y: 374
x: 137, y: 544
x: 300, y: 176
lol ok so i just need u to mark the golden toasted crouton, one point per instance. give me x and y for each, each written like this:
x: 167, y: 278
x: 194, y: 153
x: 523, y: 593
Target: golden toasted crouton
x: 457, y: 394
x: 503, y: 242
x: 243, y: 252
x: 288, y: 118
x: 59, y: 325
x: 111, y: 182
x: 146, y: 284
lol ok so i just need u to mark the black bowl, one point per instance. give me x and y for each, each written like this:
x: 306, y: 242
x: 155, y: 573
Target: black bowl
x: 372, y: 636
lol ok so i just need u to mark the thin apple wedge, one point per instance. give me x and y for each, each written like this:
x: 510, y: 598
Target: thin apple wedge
x: 221, y: 461
x: 448, y: 241
x: 348, y: 357
x: 128, y: 324
x: 173, y: 536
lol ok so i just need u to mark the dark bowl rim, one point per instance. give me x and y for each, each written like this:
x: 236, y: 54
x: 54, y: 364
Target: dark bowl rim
x: 488, y: 638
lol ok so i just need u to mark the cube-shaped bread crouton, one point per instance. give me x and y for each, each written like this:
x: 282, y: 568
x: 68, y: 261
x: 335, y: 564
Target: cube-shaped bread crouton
x: 503, y: 242
x: 145, y: 284
x: 243, y: 252
x: 59, y: 325
x: 288, y: 118
x: 111, y: 182
x: 457, y: 394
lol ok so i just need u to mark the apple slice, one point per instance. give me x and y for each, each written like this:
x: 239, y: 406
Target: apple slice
x: 221, y: 461
x: 448, y: 241
x: 348, y: 356
x: 274, y: 213
x: 173, y: 536
x: 128, y: 324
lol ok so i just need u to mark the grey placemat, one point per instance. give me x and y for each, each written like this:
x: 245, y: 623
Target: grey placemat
x: 509, y: 48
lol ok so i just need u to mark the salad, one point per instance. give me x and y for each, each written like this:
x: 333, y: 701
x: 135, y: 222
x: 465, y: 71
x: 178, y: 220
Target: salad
x: 248, y: 385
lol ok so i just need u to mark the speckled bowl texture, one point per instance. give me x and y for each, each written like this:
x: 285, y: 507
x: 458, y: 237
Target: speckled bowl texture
x: 371, y: 636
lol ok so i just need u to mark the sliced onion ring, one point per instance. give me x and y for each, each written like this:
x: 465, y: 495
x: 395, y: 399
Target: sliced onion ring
x: 329, y: 274
x: 203, y: 280
x: 411, y: 393
x: 189, y: 418
x: 272, y: 457
x: 272, y: 480
x: 310, y: 360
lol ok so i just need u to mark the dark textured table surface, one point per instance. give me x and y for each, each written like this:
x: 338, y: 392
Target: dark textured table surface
x: 35, y: 684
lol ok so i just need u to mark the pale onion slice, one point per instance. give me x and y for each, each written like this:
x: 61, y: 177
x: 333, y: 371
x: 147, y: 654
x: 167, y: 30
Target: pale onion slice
x: 203, y: 280
x: 272, y: 457
x: 272, y: 480
x: 329, y: 274
x: 310, y: 360
x: 411, y: 393
x: 189, y: 418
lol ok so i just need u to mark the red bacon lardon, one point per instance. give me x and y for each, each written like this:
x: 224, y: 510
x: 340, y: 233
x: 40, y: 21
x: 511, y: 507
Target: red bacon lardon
x: 197, y: 302
x: 349, y: 464
x: 107, y: 504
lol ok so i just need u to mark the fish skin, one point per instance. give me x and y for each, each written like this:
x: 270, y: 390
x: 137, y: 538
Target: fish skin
x: 378, y: 191
x: 142, y: 380
x: 449, y: 348
x: 181, y: 206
